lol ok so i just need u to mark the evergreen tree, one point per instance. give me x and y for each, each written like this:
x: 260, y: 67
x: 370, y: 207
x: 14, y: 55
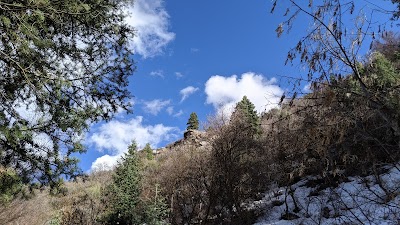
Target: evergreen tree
x: 156, y: 209
x: 193, y: 122
x: 67, y: 63
x: 148, y: 151
x: 124, y: 192
x: 245, y: 109
x: 126, y: 204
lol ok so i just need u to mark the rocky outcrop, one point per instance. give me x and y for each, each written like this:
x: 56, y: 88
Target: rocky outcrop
x: 191, y: 138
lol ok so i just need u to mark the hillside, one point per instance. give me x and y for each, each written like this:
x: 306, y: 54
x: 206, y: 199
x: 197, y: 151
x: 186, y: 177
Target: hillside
x: 372, y: 199
x: 77, y: 203
x: 330, y: 156
x: 287, y: 112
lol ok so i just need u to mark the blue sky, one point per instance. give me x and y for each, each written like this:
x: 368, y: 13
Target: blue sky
x: 195, y: 56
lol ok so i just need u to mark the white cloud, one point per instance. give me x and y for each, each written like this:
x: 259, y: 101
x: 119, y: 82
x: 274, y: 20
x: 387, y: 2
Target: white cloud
x: 170, y: 110
x: 179, y: 113
x: 115, y: 136
x: 105, y: 162
x: 155, y: 106
x: 178, y: 74
x: 224, y: 92
x: 157, y: 73
x: 151, y: 20
x: 187, y: 91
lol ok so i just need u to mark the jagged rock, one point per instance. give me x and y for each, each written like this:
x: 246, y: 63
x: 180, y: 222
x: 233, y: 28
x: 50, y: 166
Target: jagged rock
x: 191, y: 138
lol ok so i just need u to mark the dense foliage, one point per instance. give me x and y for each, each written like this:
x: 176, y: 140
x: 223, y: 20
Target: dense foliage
x: 10, y: 185
x: 124, y: 197
x: 63, y: 65
x: 125, y: 190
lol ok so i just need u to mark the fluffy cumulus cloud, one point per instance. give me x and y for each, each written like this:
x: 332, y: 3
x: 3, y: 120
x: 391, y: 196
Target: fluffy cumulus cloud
x: 105, y: 162
x: 114, y: 138
x: 155, y: 106
x: 224, y: 92
x: 187, y: 91
x: 151, y: 21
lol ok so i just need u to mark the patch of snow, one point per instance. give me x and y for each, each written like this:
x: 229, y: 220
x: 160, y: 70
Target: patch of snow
x: 361, y: 200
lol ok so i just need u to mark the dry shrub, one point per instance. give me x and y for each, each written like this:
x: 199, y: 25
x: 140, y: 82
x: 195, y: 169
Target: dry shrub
x: 209, y: 184
x: 237, y: 171
x: 331, y: 133
x: 184, y: 177
x: 83, y: 202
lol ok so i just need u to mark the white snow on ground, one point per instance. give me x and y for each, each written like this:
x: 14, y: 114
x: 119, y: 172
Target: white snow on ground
x: 359, y: 201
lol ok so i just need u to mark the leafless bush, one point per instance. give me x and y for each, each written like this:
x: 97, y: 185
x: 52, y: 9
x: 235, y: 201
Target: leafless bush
x: 237, y: 173
x: 184, y: 179
x: 331, y: 133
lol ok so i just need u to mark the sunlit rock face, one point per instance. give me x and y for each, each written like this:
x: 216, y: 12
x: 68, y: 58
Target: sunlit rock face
x: 191, y: 139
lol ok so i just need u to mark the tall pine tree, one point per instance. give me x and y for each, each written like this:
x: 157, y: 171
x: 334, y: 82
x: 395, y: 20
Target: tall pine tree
x: 245, y: 109
x: 148, y: 152
x: 126, y: 204
x: 124, y: 192
x: 193, y: 122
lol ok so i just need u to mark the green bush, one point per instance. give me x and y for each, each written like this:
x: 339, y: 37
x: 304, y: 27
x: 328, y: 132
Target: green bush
x: 10, y: 185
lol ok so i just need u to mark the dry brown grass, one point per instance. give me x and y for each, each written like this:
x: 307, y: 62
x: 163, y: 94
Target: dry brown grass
x: 83, y: 203
x: 82, y: 196
x: 37, y: 210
